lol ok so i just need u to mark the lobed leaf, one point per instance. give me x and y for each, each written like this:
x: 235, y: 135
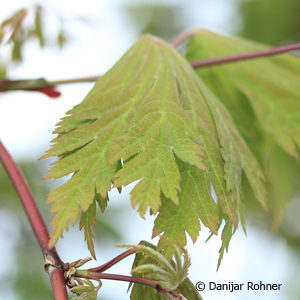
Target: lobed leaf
x: 271, y: 85
x: 173, y: 136
x: 262, y: 96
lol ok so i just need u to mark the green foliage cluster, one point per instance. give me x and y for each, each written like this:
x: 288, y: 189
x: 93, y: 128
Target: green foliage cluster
x: 152, y: 113
x: 86, y: 292
x: 262, y: 98
x: 151, y: 264
x: 151, y: 119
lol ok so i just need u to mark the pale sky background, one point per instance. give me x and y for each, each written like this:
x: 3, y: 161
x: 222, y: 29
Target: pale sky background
x: 27, y: 120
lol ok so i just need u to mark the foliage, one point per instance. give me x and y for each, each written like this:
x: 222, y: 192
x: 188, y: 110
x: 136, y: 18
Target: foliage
x: 261, y: 96
x: 180, y: 138
x: 150, y: 264
x: 168, y: 276
x: 85, y: 292
x: 153, y: 113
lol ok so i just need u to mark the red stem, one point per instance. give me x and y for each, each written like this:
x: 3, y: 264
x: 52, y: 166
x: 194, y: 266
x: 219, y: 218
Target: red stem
x: 246, y: 56
x: 143, y: 281
x: 33, y: 84
x: 112, y: 262
x: 37, y: 223
x: 181, y: 38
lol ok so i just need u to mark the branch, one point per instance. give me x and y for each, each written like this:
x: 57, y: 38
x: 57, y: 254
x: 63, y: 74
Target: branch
x: 112, y: 262
x: 182, y: 38
x: 52, y: 260
x: 246, y: 56
x: 93, y: 275
x: 42, y: 84
x: 39, y: 83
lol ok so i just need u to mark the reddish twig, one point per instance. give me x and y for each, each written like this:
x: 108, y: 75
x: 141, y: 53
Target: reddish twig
x: 112, y: 262
x: 37, y: 223
x: 246, y: 56
x: 182, y: 38
x: 39, y: 84
x: 42, y: 84
x: 93, y: 275
x: 75, y: 80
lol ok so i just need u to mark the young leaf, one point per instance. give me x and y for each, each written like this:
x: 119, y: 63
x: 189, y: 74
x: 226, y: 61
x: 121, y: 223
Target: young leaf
x: 137, y: 92
x: 152, y: 112
x: 85, y: 292
x: 150, y: 258
x: 188, y: 290
x: 270, y: 84
x: 168, y: 275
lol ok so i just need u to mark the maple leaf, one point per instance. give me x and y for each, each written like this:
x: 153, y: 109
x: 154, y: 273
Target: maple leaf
x: 168, y: 275
x: 262, y: 96
x: 152, y: 112
x: 271, y: 85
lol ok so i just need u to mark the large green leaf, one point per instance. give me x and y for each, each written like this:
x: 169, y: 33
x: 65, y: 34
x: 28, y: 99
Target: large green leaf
x: 152, y: 112
x: 271, y: 85
x: 262, y: 96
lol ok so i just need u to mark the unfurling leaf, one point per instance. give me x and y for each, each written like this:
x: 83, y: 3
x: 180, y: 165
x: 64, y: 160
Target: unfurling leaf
x: 174, y: 137
x: 168, y: 275
x: 86, y: 292
x: 151, y: 264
